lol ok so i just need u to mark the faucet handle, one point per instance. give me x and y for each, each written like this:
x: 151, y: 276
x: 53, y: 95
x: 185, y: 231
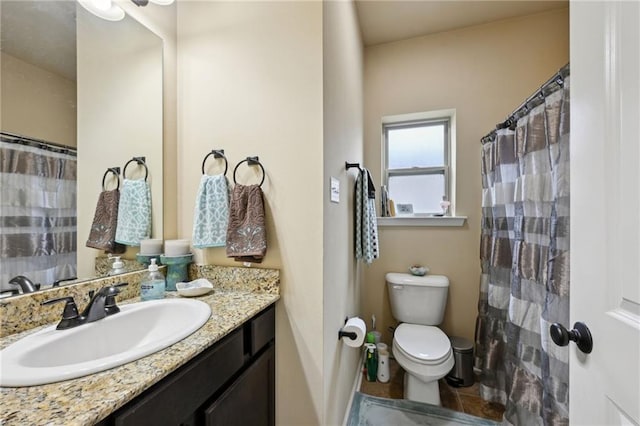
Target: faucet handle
x: 70, y: 315
x: 110, y: 306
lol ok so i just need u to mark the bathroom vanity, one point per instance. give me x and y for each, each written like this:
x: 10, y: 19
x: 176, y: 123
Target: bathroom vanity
x: 232, y: 382
x: 221, y: 374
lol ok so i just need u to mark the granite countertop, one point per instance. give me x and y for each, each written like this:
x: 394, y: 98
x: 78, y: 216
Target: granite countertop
x: 87, y: 400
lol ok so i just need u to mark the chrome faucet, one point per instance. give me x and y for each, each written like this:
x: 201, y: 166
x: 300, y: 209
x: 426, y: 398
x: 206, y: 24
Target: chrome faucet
x: 102, y: 304
x: 26, y: 285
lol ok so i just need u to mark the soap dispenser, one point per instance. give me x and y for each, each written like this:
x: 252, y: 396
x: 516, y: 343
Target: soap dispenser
x: 117, y: 267
x: 153, y: 283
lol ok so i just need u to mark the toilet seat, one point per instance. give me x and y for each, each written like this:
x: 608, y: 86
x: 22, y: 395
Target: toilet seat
x: 422, y: 344
x: 424, y: 352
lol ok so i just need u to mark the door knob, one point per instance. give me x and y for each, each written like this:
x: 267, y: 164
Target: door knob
x: 580, y: 334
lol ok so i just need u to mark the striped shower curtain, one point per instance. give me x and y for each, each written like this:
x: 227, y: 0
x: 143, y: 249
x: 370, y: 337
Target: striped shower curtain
x: 525, y: 265
x: 37, y: 212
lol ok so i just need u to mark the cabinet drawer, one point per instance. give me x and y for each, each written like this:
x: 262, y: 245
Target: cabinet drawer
x: 263, y: 329
x: 176, y: 397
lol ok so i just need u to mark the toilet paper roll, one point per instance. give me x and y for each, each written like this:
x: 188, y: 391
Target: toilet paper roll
x: 355, y: 325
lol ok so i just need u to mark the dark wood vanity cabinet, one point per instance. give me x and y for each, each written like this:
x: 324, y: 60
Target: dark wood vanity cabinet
x: 247, y: 401
x: 230, y: 383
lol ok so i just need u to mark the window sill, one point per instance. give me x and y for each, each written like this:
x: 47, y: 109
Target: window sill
x: 422, y: 221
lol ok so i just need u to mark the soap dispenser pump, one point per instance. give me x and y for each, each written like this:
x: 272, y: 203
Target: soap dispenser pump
x: 153, y: 283
x: 117, y: 267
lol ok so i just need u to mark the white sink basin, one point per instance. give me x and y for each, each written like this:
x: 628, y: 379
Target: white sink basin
x: 138, y: 330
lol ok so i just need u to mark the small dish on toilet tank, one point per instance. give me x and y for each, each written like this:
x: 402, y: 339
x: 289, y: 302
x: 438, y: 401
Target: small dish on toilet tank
x: 418, y: 270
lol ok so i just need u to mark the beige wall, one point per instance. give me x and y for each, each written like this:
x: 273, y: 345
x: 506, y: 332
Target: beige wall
x: 119, y: 115
x: 162, y: 20
x: 343, y: 114
x: 484, y: 72
x: 250, y: 82
x: 36, y: 102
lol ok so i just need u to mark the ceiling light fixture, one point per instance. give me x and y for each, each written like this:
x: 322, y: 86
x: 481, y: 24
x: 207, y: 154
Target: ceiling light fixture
x: 104, y: 9
x: 146, y: 2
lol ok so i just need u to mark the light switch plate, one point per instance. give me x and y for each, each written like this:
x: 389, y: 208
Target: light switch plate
x: 335, y: 190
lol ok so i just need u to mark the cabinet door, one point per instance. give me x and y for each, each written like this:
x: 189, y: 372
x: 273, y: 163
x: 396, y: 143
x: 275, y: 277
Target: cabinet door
x: 250, y: 400
x: 178, y: 396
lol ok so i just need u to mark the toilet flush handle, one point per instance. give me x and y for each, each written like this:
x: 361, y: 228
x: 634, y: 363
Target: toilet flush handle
x: 398, y: 287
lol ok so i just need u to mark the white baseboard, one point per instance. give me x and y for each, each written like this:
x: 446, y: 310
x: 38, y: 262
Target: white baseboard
x: 356, y: 386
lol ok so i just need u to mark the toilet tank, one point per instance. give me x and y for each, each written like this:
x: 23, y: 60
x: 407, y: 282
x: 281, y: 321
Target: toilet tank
x: 417, y: 300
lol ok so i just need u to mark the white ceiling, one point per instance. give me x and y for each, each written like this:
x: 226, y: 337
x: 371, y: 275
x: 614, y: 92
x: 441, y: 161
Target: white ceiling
x: 42, y: 33
x: 383, y: 21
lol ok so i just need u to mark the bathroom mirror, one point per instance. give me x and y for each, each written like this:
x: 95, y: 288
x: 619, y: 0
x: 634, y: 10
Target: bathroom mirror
x: 73, y: 79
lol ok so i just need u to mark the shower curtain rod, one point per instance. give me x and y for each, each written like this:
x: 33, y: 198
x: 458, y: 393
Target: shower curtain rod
x: 532, y: 101
x: 37, y: 143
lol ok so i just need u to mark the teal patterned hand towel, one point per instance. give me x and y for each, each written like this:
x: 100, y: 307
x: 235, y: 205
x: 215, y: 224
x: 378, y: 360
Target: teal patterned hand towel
x: 134, y: 213
x: 211, y: 214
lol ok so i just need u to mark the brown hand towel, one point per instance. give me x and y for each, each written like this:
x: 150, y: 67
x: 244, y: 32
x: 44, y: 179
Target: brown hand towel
x: 246, y: 234
x: 103, y: 230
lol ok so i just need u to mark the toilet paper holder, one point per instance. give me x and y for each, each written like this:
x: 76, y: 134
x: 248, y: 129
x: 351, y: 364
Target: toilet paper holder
x: 350, y: 334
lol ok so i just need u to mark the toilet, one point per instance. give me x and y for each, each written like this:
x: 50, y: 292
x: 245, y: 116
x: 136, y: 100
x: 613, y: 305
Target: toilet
x: 421, y: 348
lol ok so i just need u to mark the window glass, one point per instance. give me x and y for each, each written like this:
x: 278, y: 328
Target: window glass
x: 421, y: 146
x: 423, y: 191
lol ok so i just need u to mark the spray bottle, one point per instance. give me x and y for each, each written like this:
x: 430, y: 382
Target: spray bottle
x: 372, y: 358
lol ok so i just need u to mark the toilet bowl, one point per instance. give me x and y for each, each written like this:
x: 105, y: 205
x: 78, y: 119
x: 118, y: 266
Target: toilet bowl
x: 424, y: 352
x: 421, y: 348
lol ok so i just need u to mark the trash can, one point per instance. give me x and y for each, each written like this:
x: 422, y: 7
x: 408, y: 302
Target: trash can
x: 461, y: 375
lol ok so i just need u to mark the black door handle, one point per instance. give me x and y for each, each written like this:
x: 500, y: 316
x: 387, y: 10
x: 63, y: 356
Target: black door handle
x: 580, y: 334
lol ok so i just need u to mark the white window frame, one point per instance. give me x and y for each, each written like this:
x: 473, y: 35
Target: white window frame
x: 419, y: 120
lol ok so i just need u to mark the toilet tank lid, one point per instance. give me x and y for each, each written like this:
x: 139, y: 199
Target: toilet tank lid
x: 408, y: 279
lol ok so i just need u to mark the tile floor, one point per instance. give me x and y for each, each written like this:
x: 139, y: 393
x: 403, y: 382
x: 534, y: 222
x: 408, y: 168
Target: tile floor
x: 465, y: 400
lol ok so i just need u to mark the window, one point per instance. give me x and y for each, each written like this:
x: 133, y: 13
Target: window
x: 417, y: 162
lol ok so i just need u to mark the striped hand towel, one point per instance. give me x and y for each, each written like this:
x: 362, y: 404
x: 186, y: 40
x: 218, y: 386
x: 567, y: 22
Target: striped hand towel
x: 211, y: 214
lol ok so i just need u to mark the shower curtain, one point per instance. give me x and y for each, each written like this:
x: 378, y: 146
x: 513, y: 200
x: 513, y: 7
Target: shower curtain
x: 37, y: 211
x: 525, y: 264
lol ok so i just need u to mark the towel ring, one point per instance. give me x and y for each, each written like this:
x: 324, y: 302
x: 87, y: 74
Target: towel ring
x: 140, y: 162
x: 116, y: 172
x: 251, y: 161
x: 217, y: 153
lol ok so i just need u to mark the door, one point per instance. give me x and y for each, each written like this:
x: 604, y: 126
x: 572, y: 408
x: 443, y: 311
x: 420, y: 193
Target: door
x: 605, y: 213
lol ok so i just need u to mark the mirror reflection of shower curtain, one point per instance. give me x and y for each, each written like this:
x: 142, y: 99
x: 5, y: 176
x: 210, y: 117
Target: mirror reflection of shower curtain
x: 37, y: 213
x: 525, y: 265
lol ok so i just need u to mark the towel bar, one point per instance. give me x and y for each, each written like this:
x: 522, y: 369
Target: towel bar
x: 352, y: 165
